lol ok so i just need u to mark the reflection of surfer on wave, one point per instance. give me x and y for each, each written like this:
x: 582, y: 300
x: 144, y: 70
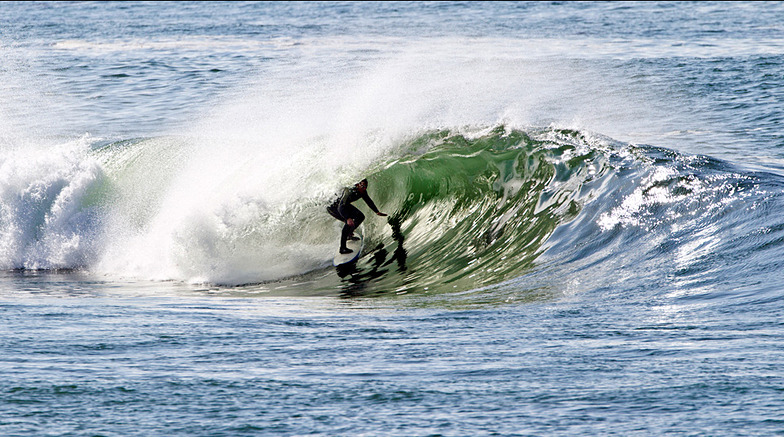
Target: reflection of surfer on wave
x: 342, y: 210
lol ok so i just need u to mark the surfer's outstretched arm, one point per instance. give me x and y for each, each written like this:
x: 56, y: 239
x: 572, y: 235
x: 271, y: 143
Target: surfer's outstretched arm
x: 371, y: 205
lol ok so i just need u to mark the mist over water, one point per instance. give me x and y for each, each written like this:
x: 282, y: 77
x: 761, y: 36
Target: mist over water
x: 584, y: 231
x: 274, y: 145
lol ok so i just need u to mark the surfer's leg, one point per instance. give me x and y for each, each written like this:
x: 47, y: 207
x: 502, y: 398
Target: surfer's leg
x: 345, y: 233
x: 358, y: 218
x: 348, y: 231
x: 344, y: 236
x: 353, y: 213
x: 334, y: 213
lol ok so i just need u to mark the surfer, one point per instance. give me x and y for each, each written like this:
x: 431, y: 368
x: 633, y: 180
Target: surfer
x: 343, y: 210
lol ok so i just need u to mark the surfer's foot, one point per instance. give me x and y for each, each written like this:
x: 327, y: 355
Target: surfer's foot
x: 345, y: 250
x: 353, y: 238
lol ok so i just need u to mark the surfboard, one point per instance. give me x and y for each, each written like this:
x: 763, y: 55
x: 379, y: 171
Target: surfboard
x: 355, y: 246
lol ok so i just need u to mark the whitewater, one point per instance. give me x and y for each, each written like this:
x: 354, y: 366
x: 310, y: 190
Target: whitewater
x: 584, y: 231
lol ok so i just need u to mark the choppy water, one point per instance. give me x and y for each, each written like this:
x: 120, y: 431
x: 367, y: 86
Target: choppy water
x: 584, y: 231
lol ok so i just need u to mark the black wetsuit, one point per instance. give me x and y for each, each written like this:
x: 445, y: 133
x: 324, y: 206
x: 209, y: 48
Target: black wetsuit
x: 342, y: 209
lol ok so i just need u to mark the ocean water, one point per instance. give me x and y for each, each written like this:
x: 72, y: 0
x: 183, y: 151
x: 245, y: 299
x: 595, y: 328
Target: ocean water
x: 585, y: 231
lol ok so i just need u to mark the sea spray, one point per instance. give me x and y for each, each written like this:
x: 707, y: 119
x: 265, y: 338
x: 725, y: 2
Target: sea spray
x: 237, y: 195
x: 45, y: 221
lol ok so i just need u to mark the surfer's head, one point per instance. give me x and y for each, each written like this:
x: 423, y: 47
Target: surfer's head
x: 362, y: 185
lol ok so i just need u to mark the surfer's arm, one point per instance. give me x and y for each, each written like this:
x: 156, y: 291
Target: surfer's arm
x: 372, y: 205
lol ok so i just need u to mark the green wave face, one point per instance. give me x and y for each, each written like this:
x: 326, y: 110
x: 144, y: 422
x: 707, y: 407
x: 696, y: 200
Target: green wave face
x: 474, y: 211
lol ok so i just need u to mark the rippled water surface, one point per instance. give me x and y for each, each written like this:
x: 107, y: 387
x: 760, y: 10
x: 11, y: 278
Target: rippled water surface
x: 584, y: 237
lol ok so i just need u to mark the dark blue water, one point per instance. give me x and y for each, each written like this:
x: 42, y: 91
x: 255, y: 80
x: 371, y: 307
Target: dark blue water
x: 585, y: 231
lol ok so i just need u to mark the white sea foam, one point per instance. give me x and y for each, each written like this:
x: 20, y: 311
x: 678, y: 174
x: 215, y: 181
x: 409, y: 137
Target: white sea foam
x: 44, y: 223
